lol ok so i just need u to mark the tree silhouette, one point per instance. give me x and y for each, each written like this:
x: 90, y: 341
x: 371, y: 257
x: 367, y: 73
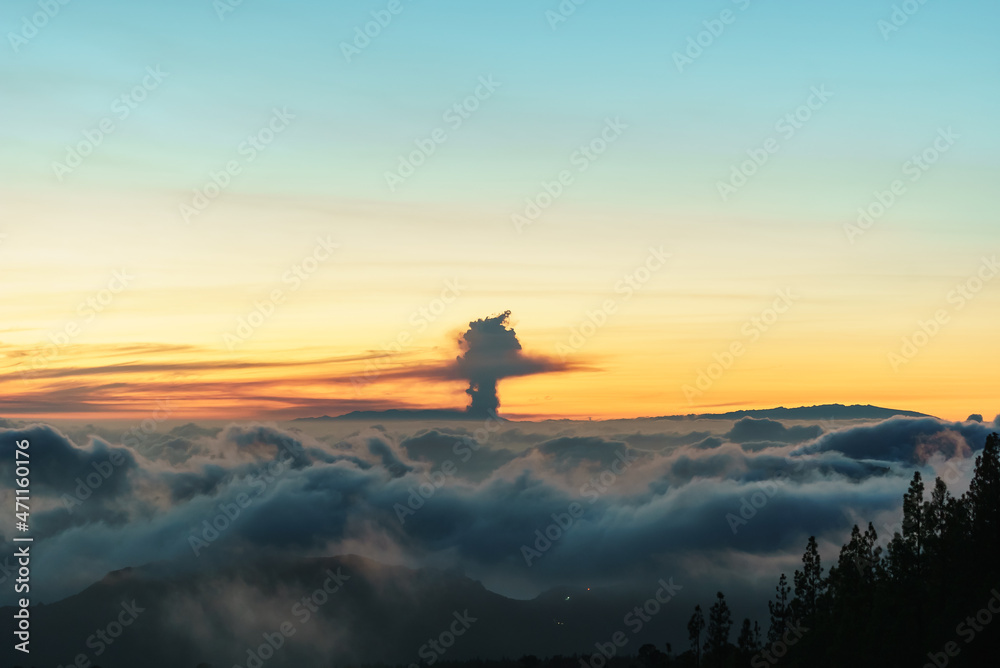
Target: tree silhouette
x: 780, y: 609
x: 695, y: 626
x: 910, y: 604
x: 748, y: 642
x: 983, y: 500
x: 914, y: 526
x: 650, y: 657
x: 809, y: 583
x: 720, y: 622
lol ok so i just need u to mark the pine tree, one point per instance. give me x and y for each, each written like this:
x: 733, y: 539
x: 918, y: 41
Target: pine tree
x: 695, y: 626
x: 877, y: 609
x: 941, y: 541
x: 809, y: 583
x: 984, y: 501
x: 720, y: 623
x: 914, y: 525
x: 779, y: 609
x: 748, y: 641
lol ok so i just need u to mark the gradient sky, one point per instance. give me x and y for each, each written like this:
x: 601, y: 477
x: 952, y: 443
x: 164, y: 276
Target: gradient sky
x: 163, y: 336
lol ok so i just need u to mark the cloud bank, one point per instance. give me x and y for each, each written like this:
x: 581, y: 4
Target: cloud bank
x: 472, y: 496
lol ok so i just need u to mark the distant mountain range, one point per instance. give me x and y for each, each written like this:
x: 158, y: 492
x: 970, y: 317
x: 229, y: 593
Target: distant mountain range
x: 823, y: 412
x: 380, y: 614
x: 401, y: 414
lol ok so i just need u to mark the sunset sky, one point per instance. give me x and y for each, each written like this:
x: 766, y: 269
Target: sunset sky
x: 167, y: 288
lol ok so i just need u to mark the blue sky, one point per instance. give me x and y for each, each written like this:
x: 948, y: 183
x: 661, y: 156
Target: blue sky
x: 606, y: 59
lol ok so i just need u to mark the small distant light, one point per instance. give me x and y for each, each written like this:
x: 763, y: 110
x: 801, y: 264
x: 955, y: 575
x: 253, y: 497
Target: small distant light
x: 567, y: 598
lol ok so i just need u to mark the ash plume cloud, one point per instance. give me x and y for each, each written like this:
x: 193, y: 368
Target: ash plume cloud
x: 493, y: 352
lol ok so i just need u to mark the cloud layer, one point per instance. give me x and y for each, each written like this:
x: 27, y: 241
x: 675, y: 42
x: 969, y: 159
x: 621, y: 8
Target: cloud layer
x: 475, y: 496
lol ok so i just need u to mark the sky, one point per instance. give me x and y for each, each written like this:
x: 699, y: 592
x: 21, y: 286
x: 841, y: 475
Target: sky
x: 257, y: 210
